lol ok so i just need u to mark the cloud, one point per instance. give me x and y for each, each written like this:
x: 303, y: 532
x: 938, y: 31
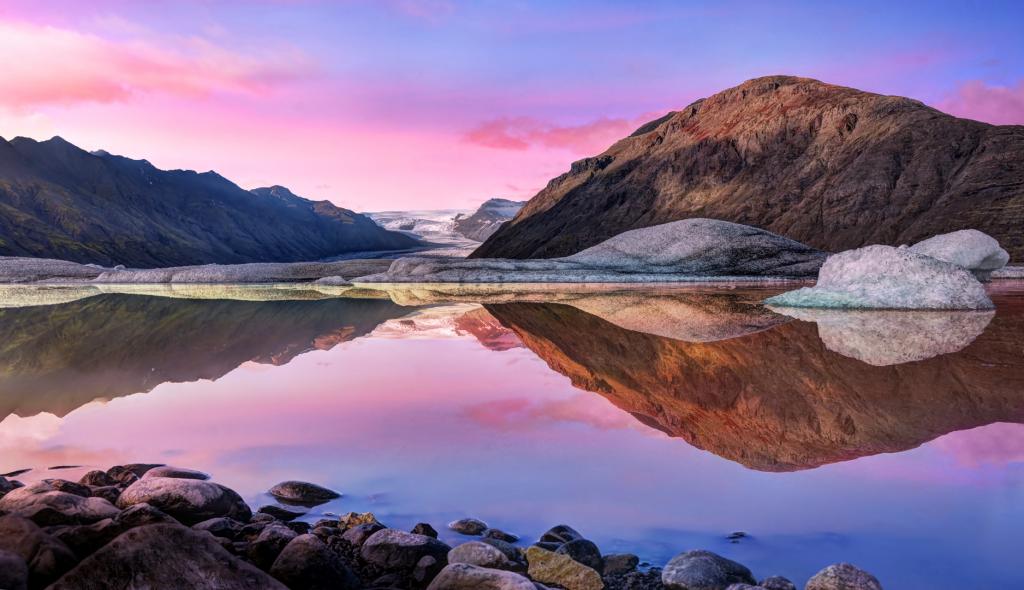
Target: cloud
x: 996, y: 444
x: 522, y: 133
x: 62, y: 66
x: 999, y: 105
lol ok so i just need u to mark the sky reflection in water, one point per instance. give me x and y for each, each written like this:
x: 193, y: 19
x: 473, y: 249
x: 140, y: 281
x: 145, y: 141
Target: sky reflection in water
x: 413, y: 418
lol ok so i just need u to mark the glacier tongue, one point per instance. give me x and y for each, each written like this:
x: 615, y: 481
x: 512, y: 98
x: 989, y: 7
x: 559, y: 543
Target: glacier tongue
x: 884, y: 277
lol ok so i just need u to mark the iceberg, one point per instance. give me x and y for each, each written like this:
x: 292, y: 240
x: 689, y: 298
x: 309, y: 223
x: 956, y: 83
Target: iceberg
x: 884, y: 277
x: 976, y: 251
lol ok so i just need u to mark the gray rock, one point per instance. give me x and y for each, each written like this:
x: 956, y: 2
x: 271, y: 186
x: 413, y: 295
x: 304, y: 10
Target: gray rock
x: 153, y: 556
x: 97, y: 478
x: 484, y: 555
x: 776, y: 583
x: 85, y: 539
x: 843, y: 576
x: 583, y: 551
x: 5, y: 486
x: 306, y: 563
x: 262, y: 518
x: 188, y: 500
x: 464, y: 576
x: 281, y: 512
x: 223, y: 527
x: 141, y: 515
x: 505, y: 547
x: 426, y: 570
x: 47, y: 558
x: 176, y: 472
x: 468, y: 526
x: 265, y: 548
x: 13, y: 571
x: 703, y: 570
x: 423, y: 528
x: 108, y: 493
x: 620, y: 563
x: 976, y: 251
x: 70, y: 487
x: 300, y: 492
x: 139, y: 469
x: 395, y: 549
x: 45, y: 506
x: 500, y: 535
x: 358, y: 534
x: 560, y: 534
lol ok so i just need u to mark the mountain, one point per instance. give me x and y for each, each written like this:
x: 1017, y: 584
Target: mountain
x: 59, y: 201
x: 832, y: 167
x: 777, y: 399
x: 487, y: 219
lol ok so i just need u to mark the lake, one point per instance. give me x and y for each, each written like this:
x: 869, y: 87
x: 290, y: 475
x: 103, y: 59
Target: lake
x: 654, y: 420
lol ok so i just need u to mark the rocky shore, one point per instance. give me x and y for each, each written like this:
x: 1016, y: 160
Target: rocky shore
x: 158, y: 526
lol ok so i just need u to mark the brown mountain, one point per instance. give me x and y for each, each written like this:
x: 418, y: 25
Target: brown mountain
x: 59, y: 201
x: 833, y: 167
x: 779, y: 399
x: 487, y: 219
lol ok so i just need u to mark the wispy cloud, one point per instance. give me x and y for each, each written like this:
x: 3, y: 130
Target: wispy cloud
x: 521, y: 133
x: 1000, y: 105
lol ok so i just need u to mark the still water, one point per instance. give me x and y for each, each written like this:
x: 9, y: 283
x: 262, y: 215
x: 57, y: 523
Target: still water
x: 653, y: 420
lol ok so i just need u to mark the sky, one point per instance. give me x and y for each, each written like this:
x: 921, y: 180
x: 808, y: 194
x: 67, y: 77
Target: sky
x: 399, y: 104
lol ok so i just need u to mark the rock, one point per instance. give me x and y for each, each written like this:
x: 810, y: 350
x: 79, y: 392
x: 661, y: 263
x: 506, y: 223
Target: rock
x: 426, y: 570
x: 16, y: 472
x: 334, y: 281
x: 143, y: 514
x: 423, y: 528
x: 84, y: 540
x: 486, y: 220
x: 303, y: 493
x: 47, y: 558
x: 976, y: 251
x: 883, y: 277
x: 175, y: 472
x: 44, y: 505
x: 678, y: 251
x: 583, y: 551
x: 500, y: 535
x: 280, y: 512
x: 776, y: 583
x: 122, y: 475
x: 464, y: 576
x: 620, y: 563
x: 703, y: 570
x: 188, y: 500
x: 5, y: 486
x: 298, y: 526
x: 70, y: 487
x: 97, y: 478
x: 826, y: 165
x: 306, y: 563
x: 351, y: 519
x: 843, y: 576
x: 153, y: 556
x: 326, y: 532
x: 108, y: 493
x: 548, y: 567
x: 139, y: 469
x: 262, y: 518
x: 265, y: 548
x: 394, y: 549
x: 13, y: 571
x: 468, y: 526
x: 483, y: 555
x: 510, y: 550
x: 560, y: 534
x: 358, y: 534
x: 227, y: 528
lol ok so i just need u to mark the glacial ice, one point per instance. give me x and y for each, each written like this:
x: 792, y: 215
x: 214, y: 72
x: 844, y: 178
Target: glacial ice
x: 976, y: 251
x: 884, y: 277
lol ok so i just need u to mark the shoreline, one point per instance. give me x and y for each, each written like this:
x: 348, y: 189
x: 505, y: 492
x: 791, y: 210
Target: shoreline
x: 113, y: 526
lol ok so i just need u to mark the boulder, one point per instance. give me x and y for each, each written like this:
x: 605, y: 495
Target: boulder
x: 395, y: 549
x: 703, y: 570
x: 358, y: 534
x: 165, y: 556
x: 281, y: 512
x: 188, y: 500
x: 303, y: 493
x: 13, y: 571
x: 108, y: 493
x: 776, y: 583
x: 468, y: 526
x: 85, y: 539
x: 70, y: 487
x: 47, y: 558
x: 976, y: 251
x: 620, y: 563
x: 843, y: 576
x: 97, y: 478
x: 585, y: 552
x: 351, y: 519
x: 265, y: 548
x: 548, y: 567
x: 138, y: 469
x: 141, y: 515
x: 423, y: 528
x: 560, y: 534
x: 306, y: 563
x: 883, y: 277
x: 223, y: 527
x: 176, y: 472
x: 464, y: 576
x: 45, y: 506
x: 483, y: 555
x: 5, y: 486
x: 500, y: 535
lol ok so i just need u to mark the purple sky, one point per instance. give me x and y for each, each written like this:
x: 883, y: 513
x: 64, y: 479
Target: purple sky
x: 402, y: 104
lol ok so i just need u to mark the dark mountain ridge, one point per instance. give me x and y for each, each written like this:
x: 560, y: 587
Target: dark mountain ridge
x: 59, y: 201
x: 832, y: 167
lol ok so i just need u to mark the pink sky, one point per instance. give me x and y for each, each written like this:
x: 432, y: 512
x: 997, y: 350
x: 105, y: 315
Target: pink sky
x: 406, y: 104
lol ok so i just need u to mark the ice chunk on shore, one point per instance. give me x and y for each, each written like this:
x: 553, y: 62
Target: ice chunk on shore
x: 976, y: 251
x: 883, y: 337
x: 884, y: 277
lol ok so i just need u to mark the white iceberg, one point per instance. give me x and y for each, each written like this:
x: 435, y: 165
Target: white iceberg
x: 884, y: 277
x: 976, y: 251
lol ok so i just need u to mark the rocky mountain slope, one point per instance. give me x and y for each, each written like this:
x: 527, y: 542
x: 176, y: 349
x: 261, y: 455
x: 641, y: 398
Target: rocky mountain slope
x: 832, y: 167
x: 487, y: 219
x: 58, y: 201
